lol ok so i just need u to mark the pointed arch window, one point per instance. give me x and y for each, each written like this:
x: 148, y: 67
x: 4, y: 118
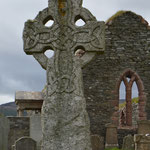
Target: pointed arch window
x: 128, y: 116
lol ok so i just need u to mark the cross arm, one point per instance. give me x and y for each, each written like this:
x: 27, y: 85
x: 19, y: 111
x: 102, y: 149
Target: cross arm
x: 42, y: 59
x: 90, y: 38
x: 37, y: 39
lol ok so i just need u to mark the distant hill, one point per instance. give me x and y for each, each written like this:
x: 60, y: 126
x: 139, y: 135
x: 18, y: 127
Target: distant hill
x: 8, y: 109
x: 121, y: 101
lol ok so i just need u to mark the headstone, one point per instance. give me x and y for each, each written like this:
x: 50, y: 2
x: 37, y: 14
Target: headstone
x: 97, y: 142
x: 36, y: 129
x: 142, y: 142
x: 65, y: 122
x: 144, y: 127
x: 4, y: 130
x: 128, y: 143
x: 25, y: 143
x: 111, y: 136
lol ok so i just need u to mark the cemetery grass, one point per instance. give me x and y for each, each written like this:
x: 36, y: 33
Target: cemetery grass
x: 115, y: 148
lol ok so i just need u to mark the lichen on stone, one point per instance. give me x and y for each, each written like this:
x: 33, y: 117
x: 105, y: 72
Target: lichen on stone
x: 119, y: 13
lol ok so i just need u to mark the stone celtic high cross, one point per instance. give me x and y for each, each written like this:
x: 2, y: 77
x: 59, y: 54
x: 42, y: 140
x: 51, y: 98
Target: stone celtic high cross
x: 65, y: 121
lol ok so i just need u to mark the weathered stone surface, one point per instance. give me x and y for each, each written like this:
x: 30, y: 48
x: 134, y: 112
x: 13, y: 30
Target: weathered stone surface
x: 4, y: 130
x: 97, y: 142
x: 142, y: 142
x: 111, y: 136
x: 144, y: 127
x: 65, y: 121
x: 25, y: 143
x: 128, y: 143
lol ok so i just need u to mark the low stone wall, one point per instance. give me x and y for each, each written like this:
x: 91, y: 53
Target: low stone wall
x: 19, y: 127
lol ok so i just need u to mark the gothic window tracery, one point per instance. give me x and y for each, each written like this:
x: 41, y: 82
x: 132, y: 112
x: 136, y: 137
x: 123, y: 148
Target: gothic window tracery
x: 127, y: 115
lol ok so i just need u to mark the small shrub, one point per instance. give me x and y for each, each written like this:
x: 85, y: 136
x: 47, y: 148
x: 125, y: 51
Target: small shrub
x: 122, y: 105
x: 135, y: 100
x: 119, y: 13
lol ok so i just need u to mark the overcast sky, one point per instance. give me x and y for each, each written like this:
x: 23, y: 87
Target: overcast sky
x: 19, y: 71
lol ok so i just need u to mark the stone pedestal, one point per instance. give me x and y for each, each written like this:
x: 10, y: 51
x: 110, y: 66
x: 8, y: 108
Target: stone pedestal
x: 111, y: 136
x: 144, y: 127
x: 142, y: 142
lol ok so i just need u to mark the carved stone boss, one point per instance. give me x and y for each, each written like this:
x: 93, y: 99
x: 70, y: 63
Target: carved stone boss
x: 65, y: 122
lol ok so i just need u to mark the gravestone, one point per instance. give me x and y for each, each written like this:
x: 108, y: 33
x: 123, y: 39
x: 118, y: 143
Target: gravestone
x: 25, y: 143
x: 128, y: 143
x: 111, y: 136
x: 142, y: 142
x: 65, y: 122
x: 144, y: 127
x: 4, y: 130
x: 97, y: 142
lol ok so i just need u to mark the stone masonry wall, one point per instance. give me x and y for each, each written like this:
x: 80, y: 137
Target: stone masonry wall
x: 148, y: 86
x: 19, y: 127
x: 127, y: 48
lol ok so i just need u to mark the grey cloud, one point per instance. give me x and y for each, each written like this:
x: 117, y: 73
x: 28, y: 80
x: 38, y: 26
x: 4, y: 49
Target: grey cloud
x: 138, y: 4
x: 104, y: 9
x: 20, y: 72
